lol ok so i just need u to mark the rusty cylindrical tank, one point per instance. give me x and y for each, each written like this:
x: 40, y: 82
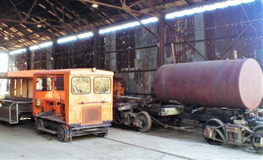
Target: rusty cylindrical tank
x: 225, y: 83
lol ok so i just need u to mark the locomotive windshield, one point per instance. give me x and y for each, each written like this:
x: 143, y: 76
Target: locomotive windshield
x: 44, y: 84
x: 59, y: 83
x: 101, y: 85
x: 80, y: 85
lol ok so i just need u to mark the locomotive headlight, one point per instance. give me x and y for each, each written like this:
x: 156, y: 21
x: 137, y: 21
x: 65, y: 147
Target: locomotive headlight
x: 94, y: 69
x: 38, y: 102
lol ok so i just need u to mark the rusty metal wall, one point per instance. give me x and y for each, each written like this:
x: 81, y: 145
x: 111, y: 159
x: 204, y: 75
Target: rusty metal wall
x: 77, y: 54
x: 139, y: 79
x: 225, y: 27
x: 133, y: 53
x: 215, y: 31
x: 110, y: 54
x: 184, y: 28
x: 39, y: 59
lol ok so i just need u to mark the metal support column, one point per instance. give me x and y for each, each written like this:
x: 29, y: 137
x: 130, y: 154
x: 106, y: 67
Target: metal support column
x: 28, y: 59
x: 161, y: 41
x: 55, y: 56
x: 96, y: 48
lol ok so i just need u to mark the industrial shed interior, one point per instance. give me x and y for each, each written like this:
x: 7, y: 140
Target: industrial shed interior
x: 133, y: 39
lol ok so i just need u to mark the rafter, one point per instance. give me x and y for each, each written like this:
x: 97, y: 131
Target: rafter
x: 34, y: 23
x: 30, y: 9
x: 16, y: 10
x: 124, y: 7
x: 81, y: 19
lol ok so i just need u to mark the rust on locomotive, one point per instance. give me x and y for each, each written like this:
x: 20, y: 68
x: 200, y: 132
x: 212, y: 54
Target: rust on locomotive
x: 118, y: 86
x: 224, y: 83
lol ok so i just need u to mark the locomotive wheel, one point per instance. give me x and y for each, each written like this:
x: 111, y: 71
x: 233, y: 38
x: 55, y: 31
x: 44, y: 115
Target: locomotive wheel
x: 146, y: 121
x: 63, y: 134
x: 39, y: 123
x: 214, y: 123
x: 258, y: 129
x: 103, y: 134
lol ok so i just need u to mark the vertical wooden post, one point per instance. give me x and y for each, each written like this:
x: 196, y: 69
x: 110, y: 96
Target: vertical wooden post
x: 24, y: 88
x: 12, y: 87
x: 30, y: 88
x: 18, y: 88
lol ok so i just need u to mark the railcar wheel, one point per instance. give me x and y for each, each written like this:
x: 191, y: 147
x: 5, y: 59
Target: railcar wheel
x: 103, y: 134
x: 39, y: 123
x: 63, y: 133
x: 146, y: 121
x: 214, y: 123
x: 255, y: 139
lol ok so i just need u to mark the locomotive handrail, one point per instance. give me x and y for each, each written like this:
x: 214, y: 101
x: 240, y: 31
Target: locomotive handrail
x: 10, y: 109
x: 93, y: 102
x: 4, y: 100
x: 10, y: 113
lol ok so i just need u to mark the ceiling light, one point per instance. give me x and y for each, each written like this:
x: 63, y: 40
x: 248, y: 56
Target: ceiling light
x: 206, y: 7
x: 17, y: 51
x: 67, y: 39
x: 34, y: 47
x: 85, y: 35
x: 128, y: 25
x: 39, y: 26
x: 149, y: 20
x: 94, y: 5
x: 6, y: 38
x: 45, y: 44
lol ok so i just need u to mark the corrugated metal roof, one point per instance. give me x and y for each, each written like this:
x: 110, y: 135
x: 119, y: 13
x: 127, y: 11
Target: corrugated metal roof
x: 19, y: 18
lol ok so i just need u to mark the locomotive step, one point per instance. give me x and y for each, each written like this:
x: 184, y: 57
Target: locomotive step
x: 7, y: 120
x: 47, y: 130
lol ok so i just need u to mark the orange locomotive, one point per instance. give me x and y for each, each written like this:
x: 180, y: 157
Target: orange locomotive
x: 72, y: 102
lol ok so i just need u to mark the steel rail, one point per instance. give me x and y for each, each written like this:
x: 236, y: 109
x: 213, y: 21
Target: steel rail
x: 163, y: 152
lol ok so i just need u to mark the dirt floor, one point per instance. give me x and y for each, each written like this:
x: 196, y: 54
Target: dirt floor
x: 22, y: 142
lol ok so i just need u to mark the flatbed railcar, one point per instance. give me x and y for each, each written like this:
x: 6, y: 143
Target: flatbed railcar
x: 222, y: 95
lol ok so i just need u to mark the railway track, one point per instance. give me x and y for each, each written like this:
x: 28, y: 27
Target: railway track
x: 151, y: 149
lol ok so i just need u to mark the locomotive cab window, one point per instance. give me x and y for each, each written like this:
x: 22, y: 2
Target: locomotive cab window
x: 80, y: 85
x: 44, y: 84
x: 59, y: 83
x: 102, y: 85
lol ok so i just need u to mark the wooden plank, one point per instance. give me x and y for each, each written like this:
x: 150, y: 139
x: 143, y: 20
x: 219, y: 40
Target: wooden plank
x: 30, y: 88
x: 18, y: 87
x: 24, y: 88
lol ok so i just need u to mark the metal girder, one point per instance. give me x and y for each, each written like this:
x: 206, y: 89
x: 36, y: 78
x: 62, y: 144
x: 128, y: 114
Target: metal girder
x: 241, y: 33
x: 30, y: 10
x: 96, y: 48
x: 19, y: 38
x: 16, y: 10
x: 161, y: 42
x: 144, y: 26
x: 62, y: 22
x: 178, y: 34
x: 124, y: 7
x: 73, y: 13
x: 134, y: 4
x: 189, y: 2
x: 34, y: 23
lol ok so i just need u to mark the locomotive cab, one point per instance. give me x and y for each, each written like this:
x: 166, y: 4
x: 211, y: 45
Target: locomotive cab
x: 73, y: 102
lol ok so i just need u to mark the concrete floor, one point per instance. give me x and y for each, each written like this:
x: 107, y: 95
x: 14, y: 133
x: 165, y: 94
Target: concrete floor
x: 22, y: 142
